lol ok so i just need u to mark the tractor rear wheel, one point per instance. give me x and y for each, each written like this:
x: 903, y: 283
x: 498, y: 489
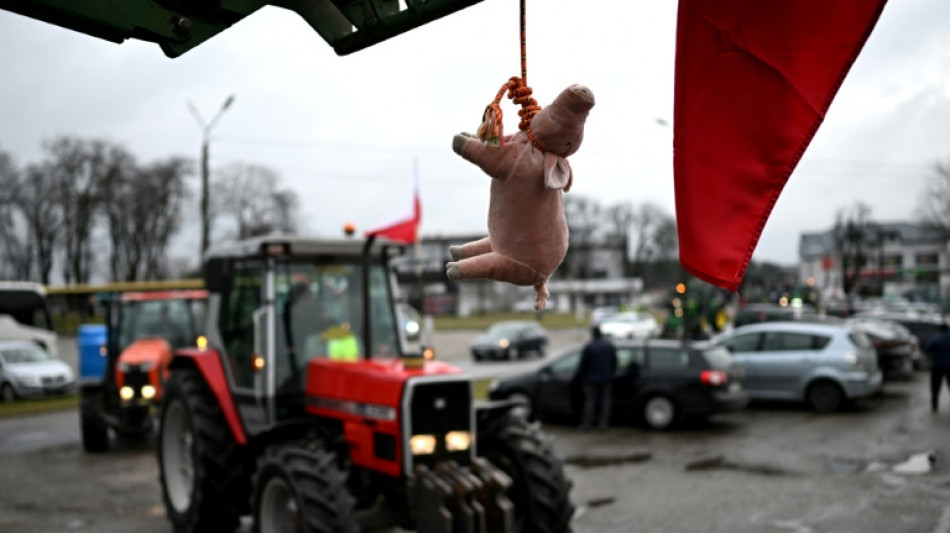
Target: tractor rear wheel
x: 200, y: 464
x: 540, y: 491
x: 301, y: 488
x: 95, y: 432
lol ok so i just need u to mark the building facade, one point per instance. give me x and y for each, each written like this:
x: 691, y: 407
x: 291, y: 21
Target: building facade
x: 421, y: 276
x: 898, y: 260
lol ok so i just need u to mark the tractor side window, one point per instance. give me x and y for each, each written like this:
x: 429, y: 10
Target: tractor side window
x: 320, y: 314
x: 383, y: 320
x: 236, y: 322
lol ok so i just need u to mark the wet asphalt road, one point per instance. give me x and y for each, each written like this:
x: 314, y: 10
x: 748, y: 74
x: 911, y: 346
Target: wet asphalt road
x: 771, y: 467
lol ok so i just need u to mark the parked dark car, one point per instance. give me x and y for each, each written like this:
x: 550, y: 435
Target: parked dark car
x: 658, y: 382
x: 898, y: 352
x: 510, y: 339
x: 922, y: 326
x: 755, y: 313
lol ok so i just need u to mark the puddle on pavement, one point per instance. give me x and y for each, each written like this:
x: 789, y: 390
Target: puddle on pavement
x: 720, y: 463
x: 593, y: 503
x: 845, y: 465
x: 919, y: 463
x: 592, y: 461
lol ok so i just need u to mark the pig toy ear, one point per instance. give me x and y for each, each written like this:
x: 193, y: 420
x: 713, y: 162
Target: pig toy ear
x: 557, y: 172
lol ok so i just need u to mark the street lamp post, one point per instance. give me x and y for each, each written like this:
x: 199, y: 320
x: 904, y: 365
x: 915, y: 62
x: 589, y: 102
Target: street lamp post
x: 206, y: 132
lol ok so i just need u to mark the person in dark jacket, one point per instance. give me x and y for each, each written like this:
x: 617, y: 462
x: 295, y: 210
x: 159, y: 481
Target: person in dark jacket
x: 595, y: 373
x: 938, y: 348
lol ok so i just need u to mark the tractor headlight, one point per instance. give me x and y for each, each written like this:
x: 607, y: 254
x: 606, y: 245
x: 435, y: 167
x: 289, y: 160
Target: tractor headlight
x: 422, y: 444
x: 458, y: 441
x: 126, y: 393
x: 148, y: 392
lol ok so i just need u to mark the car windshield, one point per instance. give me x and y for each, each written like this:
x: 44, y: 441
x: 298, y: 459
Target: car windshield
x: 503, y: 330
x: 718, y: 357
x: 26, y: 354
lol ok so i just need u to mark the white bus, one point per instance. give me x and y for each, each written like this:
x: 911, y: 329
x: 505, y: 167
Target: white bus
x: 25, y: 315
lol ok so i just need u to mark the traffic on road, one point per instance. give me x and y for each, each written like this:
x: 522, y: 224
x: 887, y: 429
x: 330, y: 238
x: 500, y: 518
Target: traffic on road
x: 876, y: 465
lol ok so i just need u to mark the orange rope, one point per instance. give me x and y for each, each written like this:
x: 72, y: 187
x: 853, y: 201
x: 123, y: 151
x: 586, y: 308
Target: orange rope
x: 491, y: 129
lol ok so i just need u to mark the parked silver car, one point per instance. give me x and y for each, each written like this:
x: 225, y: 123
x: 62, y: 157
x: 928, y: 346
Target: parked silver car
x: 823, y: 365
x: 28, y: 369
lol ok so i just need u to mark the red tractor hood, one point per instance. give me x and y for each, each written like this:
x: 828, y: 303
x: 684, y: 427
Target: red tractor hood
x: 373, y: 382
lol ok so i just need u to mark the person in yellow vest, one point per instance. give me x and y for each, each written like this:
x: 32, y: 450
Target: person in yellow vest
x: 342, y: 345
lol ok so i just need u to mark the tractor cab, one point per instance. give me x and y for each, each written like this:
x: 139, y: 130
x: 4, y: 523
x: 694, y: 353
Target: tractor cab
x: 281, y: 303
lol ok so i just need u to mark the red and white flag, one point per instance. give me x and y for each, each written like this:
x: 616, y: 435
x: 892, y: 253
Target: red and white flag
x: 405, y: 230
x: 754, y: 80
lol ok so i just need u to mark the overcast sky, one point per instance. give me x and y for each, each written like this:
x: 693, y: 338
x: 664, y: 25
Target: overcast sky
x: 343, y: 131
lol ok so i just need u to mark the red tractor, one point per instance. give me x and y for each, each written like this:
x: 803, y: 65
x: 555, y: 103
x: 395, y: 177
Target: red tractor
x: 144, y: 328
x: 276, y: 417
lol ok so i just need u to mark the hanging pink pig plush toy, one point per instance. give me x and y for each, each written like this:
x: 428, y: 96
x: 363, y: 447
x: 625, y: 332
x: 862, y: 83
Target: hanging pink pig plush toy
x: 527, y: 232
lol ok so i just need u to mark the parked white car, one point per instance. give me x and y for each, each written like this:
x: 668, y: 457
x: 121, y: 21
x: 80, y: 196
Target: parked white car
x: 630, y: 325
x: 28, y: 370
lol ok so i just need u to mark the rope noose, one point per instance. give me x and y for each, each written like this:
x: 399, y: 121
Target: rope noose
x: 491, y: 129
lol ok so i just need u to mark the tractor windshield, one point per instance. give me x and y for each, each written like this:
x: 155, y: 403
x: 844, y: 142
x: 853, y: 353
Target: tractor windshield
x: 178, y: 321
x: 320, y: 314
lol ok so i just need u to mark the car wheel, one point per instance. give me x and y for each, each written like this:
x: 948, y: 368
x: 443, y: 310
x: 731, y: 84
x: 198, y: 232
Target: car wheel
x: 7, y: 393
x: 824, y: 396
x: 659, y: 412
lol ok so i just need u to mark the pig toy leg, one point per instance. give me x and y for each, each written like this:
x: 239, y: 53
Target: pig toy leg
x: 470, y: 249
x: 494, y: 266
x: 541, y: 300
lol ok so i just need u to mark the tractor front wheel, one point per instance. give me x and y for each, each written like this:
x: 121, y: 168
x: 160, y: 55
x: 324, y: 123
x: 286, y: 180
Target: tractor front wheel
x: 539, y: 491
x: 203, y: 480
x: 95, y: 432
x: 301, y: 488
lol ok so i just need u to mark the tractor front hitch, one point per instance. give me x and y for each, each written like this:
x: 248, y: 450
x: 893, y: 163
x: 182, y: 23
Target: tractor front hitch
x: 455, y: 499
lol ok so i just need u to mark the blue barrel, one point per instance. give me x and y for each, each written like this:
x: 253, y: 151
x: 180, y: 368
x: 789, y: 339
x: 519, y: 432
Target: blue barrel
x: 92, y: 358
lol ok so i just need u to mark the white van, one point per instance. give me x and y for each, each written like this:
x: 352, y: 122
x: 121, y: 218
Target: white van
x: 25, y: 316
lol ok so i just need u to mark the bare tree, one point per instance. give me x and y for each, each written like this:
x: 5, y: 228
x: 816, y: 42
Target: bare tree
x: 42, y: 217
x: 165, y: 184
x: 935, y: 202
x: 852, y: 232
x: 583, y: 220
x: 143, y: 213
x: 652, y: 236
x: 16, y: 254
x: 250, y: 197
x: 620, y: 219
x: 79, y: 169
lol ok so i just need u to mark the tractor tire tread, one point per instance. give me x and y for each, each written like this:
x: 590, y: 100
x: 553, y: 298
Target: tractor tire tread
x: 319, y: 483
x: 548, y: 506
x: 224, y: 486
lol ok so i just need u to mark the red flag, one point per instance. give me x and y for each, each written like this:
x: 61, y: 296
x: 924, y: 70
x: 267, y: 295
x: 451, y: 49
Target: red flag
x: 754, y: 80
x: 405, y: 230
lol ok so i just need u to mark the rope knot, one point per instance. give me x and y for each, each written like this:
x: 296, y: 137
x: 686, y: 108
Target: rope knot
x: 491, y: 130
